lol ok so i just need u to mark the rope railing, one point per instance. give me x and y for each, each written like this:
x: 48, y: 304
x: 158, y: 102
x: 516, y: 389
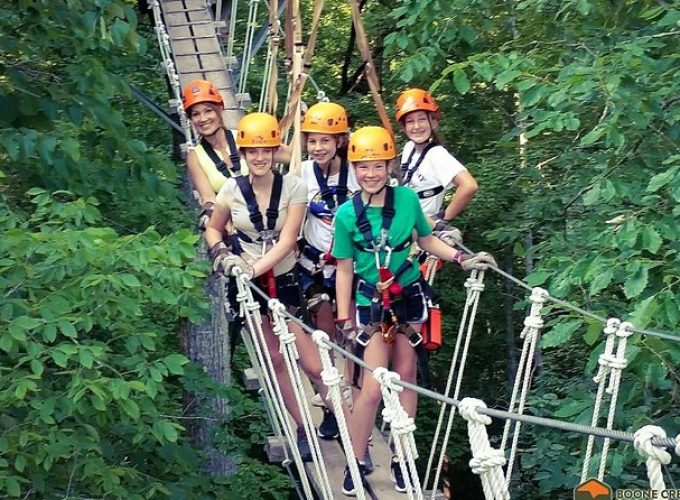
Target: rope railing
x: 652, y: 444
x: 291, y: 356
x: 248, y: 45
x: 170, y: 69
x: 474, y: 285
x: 250, y: 312
x: 567, y: 305
x: 532, y: 327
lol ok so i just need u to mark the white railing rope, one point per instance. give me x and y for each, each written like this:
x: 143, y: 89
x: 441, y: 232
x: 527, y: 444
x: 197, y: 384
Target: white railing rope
x: 486, y: 462
x: 616, y: 365
x: 654, y: 456
x: 332, y: 378
x: 250, y: 310
x: 601, y: 380
x: 291, y: 356
x: 402, y: 427
x: 532, y: 327
x: 475, y: 286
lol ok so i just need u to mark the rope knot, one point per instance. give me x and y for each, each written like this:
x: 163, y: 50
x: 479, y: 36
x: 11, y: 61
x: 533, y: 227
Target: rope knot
x: 486, y: 461
x: 535, y: 322
x: 612, y: 362
x: 538, y: 295
x: 322, y: 339
x: 402, y: 423
x: 642, y: 441
x: 330, y: 376
x: 625, y: 330
x: 386, y: 378
x: 474, y: 284
x: 612, y: 326
x: 468, y: 410
x: 276, y: 306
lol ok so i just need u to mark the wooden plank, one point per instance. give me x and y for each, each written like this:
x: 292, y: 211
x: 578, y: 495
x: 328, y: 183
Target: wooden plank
x: 192, y: 46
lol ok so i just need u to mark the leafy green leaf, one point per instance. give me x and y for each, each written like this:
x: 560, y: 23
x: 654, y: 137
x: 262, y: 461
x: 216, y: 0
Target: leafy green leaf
x: 636, y: 283
x: 560, y: 333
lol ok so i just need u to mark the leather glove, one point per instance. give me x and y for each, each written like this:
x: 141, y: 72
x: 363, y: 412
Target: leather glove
x: 452, y: 236
x: 344, y: 331
x: 479, y: 260
x: 217, y: 253
x: 204, y: 216
x: 231, y: 261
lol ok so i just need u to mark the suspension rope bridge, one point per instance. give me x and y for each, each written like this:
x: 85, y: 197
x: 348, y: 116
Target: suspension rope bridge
x: 190, y: 46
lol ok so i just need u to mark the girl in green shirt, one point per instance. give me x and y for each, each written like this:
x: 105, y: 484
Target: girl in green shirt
x: 373, y: 234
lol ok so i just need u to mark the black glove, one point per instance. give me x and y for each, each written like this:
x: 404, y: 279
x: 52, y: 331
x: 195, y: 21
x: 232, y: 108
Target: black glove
x: 204, y: 216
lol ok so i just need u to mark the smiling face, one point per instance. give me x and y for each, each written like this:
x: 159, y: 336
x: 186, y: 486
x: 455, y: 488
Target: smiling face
x: 371, y: 175
x: 418, y: 126
x: 260, y: 160
x: 321, y: 147
x: 206, y: 118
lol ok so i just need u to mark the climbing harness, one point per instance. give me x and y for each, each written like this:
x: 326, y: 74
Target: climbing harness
x: 326, y: 192
x: 407, y: 170
x: 234, y: 156
x: 382, y: 293
x: 266, y: 236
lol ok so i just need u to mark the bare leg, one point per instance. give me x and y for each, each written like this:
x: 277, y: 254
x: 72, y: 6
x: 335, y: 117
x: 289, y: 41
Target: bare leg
x: 405, y: 363
x: 366, y: 404
x: 309, y: 360
x: 281, y: 372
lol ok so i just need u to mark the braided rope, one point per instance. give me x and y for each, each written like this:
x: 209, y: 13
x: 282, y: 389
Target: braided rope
x: 601, y: 379
x: 486, y: 462
x: 616, y: 366
x: 402, y: 427
x: 474, y: 285
x: 248, y: 45
x: 173, y: 77
x: 250, y: 310
x: 332, y: 378
x: 533, y: 324
x: 291, y: 356
x: 654, y: 455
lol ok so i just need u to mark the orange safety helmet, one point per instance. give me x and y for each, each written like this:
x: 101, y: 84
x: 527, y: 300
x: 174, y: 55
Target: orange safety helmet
x: 416, y: 100
x: 198, y: 91
x: 325, y: 118
x: 371, y: 143
x: 258, y: 130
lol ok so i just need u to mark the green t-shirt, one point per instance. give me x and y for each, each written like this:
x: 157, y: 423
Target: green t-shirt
x: 408, y: 217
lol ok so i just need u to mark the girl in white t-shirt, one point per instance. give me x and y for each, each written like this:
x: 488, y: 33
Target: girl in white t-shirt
x: 426, y: 166
x: 266, y: 210
x: 330, y: 182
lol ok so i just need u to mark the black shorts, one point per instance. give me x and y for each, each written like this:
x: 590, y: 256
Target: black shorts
x: 410, y: 307
x: 315, y: 284
x: 287, y: 291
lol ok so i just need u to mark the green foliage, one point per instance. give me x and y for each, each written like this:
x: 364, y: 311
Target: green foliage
x: 97, y: 273
x: 591, y: 200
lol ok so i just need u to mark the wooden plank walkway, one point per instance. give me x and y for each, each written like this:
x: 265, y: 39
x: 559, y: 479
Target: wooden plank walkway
x: 197, y: 51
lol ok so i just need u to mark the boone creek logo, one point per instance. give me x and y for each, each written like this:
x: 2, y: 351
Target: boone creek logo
x: 592, y: 489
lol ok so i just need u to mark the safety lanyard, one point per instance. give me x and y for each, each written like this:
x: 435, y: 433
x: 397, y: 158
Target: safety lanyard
x: 272, y: 213
x: 365, y: 226
x: 407, y: 172
x: 234, y: 157
x: 326, y: 192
